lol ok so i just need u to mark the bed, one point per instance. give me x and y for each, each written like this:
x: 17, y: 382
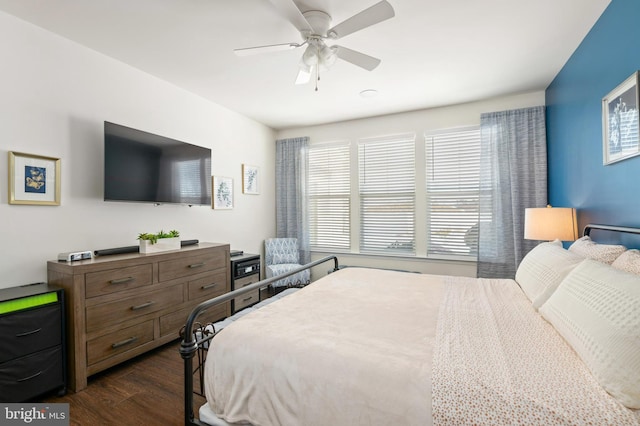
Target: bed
x: 375, y: 347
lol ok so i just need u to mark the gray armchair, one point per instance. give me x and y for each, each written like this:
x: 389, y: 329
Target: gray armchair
x: 281, y: 255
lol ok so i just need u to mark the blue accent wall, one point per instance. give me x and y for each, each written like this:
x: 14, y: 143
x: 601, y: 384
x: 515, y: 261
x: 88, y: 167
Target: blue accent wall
x: 577, y: 178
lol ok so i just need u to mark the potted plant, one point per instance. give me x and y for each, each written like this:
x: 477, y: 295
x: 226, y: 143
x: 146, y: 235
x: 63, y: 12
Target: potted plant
x: 162, y: 241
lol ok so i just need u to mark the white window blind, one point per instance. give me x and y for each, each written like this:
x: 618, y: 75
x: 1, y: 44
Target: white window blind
x: 329, y: 194
x: 387, y: 195
x: 453, y: 174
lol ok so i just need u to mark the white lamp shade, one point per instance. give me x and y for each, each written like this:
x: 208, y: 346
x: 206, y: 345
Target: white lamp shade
x: 550, y: 223
x: 310, y: 55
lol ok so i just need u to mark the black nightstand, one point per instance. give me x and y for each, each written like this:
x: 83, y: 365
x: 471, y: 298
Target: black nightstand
x: 32, y: 361
x: 245, y: 270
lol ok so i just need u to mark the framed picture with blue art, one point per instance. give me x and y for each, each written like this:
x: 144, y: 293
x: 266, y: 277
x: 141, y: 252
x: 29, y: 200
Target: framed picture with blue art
x: 620, y: 122
x: 34, y: 179
x: 249, y: 179
x: 222, y: 193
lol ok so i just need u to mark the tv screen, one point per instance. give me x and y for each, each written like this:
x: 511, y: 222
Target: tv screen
x: 143, y: 167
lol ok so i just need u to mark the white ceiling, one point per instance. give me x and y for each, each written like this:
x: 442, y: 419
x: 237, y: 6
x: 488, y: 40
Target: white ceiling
x: 434, y: 52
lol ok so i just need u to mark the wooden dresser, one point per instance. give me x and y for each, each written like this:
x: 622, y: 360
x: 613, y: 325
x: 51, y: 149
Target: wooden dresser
x: 123, y: 305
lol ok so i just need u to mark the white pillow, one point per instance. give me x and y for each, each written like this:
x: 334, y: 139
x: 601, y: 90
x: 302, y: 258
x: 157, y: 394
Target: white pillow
x: 596, y: 309
x: 628, y: 261
x: 605, y: 253
x: 542, y: 270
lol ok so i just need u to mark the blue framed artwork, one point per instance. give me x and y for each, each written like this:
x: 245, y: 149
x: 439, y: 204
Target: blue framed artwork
x: 34, y: 179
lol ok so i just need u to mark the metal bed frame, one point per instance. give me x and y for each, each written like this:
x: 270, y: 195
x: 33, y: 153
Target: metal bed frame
x: 190, y: 345
x: 623, y: 229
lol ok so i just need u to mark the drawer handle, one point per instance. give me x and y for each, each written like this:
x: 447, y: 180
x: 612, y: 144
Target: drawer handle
x: 121, y: 280
x: 124, y: 342
x: 30, y: 377
x: 196, y: 265
x: 246, y: 299
x: 144, y: 305
x: 208, y: 286
x: 28, y: 333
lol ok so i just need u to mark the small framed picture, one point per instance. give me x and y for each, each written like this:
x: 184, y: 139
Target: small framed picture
x: 620, y: 122
x: 34, y: 179
x: 249, y: 179
x: 222, y: 193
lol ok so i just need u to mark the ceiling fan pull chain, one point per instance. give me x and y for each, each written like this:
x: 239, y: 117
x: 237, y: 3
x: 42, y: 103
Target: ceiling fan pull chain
x: 317, y: 76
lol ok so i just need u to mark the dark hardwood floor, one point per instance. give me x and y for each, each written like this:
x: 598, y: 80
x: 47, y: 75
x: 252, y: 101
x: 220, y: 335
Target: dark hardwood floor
x: 147, y: 390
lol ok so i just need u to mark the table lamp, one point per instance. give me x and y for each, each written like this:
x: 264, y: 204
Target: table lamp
x: 550, y: 223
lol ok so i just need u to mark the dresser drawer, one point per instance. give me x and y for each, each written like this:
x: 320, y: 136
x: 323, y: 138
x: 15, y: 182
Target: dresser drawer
x: 106, y: 314
x: 120, y: 341
x: 208, y: 287
x: 247, y: 299
x: 191, y: 265
x: 30, y: 331
x: 23, y: 378
x: 172, y: 323
x: 105, y: 282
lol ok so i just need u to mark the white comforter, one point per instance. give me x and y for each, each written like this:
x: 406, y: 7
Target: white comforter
x: 357, y: 348
x: 352, y: 349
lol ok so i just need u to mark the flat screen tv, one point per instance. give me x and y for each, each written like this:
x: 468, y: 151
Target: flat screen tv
x: 143, y: 167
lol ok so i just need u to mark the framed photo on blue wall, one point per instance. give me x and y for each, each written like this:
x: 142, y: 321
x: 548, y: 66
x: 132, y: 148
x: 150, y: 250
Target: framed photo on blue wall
x: 620, y: 122
x: 34, y: 179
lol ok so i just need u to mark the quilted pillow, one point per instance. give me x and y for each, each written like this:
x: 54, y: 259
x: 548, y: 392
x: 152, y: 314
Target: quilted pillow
x: 605, y: 253
x: 595, y: 309
x: 542, y: 270
x: 628, y: 261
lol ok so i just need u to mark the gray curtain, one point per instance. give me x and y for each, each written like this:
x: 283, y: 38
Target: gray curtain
x: 513, y: 177
x: 291, y: 193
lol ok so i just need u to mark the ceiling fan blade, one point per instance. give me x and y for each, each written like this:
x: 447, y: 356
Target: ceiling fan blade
x: 357, y: 58
x: 246, y: 51
x: 290, y: 11
x: 304, y: 75
x: 377, y: 13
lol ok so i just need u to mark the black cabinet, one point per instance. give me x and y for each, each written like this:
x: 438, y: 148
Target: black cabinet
x: 245, y: 270
x: 32, y: 361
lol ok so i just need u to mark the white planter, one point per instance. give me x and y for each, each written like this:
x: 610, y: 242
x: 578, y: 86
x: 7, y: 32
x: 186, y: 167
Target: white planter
x: 163, y: 244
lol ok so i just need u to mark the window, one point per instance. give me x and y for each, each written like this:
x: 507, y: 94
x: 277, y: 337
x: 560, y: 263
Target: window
x: 387, y: 195
x: 329, y: 195
x: 395, y: 196
x: 452, y: 182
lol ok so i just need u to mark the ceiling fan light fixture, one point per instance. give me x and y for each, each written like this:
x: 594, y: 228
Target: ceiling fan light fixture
x: 328, y: 56
x: 310, y: 55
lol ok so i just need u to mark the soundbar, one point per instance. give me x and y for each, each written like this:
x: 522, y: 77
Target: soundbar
x: 135, y: 249
x: 117, y: 250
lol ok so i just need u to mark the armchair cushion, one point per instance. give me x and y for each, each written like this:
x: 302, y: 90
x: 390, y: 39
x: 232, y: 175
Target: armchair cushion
x: 301, y: 278
x: 281, y: 250
x: 285, y: 258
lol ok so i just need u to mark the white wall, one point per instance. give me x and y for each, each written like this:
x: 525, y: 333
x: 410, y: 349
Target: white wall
x: 418, y: 122
x: 55, y: 96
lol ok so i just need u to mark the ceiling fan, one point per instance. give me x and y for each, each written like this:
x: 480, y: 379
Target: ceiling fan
x: 315, y: 31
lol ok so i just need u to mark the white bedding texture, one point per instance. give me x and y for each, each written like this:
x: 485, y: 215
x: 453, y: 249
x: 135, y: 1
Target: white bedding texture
x: 374, y: 347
